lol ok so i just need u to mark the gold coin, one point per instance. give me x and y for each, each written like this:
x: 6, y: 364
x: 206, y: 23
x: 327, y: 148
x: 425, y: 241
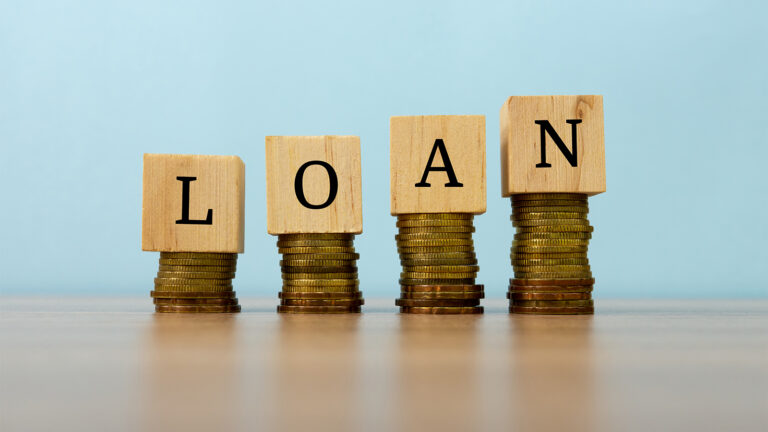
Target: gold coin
x: 551, y: 242
x: 409, y: 281
x: 332, y: 256
x: 208, y: 269
x: 350, y: 275
x: 524, y: 205
x: 435, y: 216
x: 316, y: 263
x: 321, y: 289
x: 314, y: 243
x: 438, y: 262
x: 551, y: 229
x: 195, y: 275
x: 442, y: 310
x: 317, y: 250
x: 553, y: 275
x: 432, y: 302
x: 516, y: 296
x: 197, y: 255
x: 546, y: 209
x: 442, y: 269
x: 440, y: 295
x: 437, y: 255
x: 554, y: 289
x: 441, y: 288
x: 550, y: 222
x: 316, y: 236
x: 320, y: 282
x: 192, y: 294
x: 195, y: 301
x: 548, y: 196
x: 185, y: 281
x: 162, y: 288
x: 546, y: 250
x: 562, y: 255
x: 436, y: 275
x: 318, y: 309
x: 317, y: 270
x: 434, y: 243
x: 555, y: 268
x: 431, y: 250
x: 197, y: 308
x: 433, y: 229
x: 553, y: 235
x: 547, y: 262
x: 432, y: 236
x: 197, y: 262
x: 552, y: 303
x: 320, y: 295
x: 323, y: 302
x: 433, y: 223
x: 549, y: 215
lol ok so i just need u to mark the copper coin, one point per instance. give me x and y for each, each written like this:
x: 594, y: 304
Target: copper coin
x: 442, y: 288
x: 192, y: 294
x: 320, y: 295
x: 437, y: 302
x: 197, y: 308
x: 442, y: 295
x: 442, y: 310
x: 195, y: 301
x: 550, y: 282
x: 552, y: 303
x: 318, y: 309
x: 549, y: 295
x: 553, y: 310
x: 552, y: 288
x: 323, y: 302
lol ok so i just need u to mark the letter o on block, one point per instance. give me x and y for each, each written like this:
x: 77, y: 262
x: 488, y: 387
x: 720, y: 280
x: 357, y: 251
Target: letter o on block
x: 313, y: 184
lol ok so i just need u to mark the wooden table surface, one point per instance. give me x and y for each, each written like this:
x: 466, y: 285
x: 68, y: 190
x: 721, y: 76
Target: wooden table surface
x: 110, y: 364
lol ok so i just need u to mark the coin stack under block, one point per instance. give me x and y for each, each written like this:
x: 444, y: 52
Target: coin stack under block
x: 549, y: 254
x: 439, y: 264
x: 195, y: 282
x: 319, y: 274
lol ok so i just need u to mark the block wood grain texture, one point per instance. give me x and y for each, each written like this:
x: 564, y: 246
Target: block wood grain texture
x: 219, y: 186
x: 285, y: 155
x: 412, y: 141
x: 521, y: 145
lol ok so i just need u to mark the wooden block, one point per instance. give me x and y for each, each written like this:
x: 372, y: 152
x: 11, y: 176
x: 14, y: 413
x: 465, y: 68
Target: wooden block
x: 552, y: 144
x: 314, y: 184
x: 193, y: 203
x: 437, y: 164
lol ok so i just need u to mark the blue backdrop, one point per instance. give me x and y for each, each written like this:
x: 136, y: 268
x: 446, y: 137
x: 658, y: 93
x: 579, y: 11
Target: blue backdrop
x: 86, y: 87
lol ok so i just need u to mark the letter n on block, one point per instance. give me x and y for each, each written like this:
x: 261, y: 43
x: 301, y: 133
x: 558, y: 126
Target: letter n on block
x: 437, y: 164
x: 314, y: 185
x: 552, y: 144
x: 193, y: 203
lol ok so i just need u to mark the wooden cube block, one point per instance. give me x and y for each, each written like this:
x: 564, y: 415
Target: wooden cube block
x: 552, y: 144
x: 314, y: 184
x: 437, y: 164
x: 193, y: 203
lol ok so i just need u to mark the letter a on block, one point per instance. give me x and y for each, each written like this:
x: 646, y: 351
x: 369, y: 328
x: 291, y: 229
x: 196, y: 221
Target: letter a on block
x: 552, y: 144
x: 313, y: 184
x: 193, y: 203
x: 437, y: 164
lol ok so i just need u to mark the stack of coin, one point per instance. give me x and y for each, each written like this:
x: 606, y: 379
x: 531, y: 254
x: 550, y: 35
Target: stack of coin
x: 439, y: 264
x: 195, y: 282
x: 319, y: 273
x: 549, y: 254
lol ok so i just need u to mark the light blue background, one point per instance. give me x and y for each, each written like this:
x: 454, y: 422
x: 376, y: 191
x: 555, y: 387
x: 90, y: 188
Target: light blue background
x: 87, y: 87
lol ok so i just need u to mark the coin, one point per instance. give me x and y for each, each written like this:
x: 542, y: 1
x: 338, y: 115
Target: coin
x: 195, y: 301
x: 195, y: 275
x: 587, y: 310
x: 435, y: 281
x: 437, y: 262
x: 319, y: 270
x: 197, y: 308
x: 547, y: 262
x: 178, y: 289
x: 350, y: 275
x: 316, y: 236
x: 323, y: 302
x: 553, y: 235
x: 316, y: 263
x: 552, y: 275
x: 345, y: 289
x: 314, y: 243
x: 198, y: 262
x: 433, y: 216
x: 321, y: 282
x: 183, y: 282
x: 437, y: 229
x: 547, y: 249
x: 438, y: 256
x: 550, y: 288
x: 435, y: 249
x: 442, y: 288
x: 442, y: 310
x: 433, y: 223
x: 550, y: 282
x: 524, y: 205
x: 438, y: 295
x: 555, y: 223
x: 320, y: 295
x: 425, y: 275
x: 431, y: 236
x: 205, y: 269
x: 548, y: 215
x: 550, y: 242
x: 319, y: 256
x: 553, y: 303
x: 318, y: 309
x: 436, y: 303
x: 561, y: 208
x: 552, y: 268
x: 548, y: 196
x: 198, y: 255
x: 552, y: 229
x: 192, y: 294
x: 434, y: 243
x: 548, y: 296
x: 316, y: 250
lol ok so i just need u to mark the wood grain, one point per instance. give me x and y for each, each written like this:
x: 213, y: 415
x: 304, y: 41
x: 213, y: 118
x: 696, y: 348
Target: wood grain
x: 219, y: 186
x: 411, y: 141
x: 285, y: 156
x: 521, y: 145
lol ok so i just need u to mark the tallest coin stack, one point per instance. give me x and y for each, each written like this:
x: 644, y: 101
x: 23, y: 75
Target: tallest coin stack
x: 549, y: 254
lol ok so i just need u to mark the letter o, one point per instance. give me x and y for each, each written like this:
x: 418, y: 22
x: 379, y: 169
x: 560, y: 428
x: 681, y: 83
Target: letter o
x: 298, y: 185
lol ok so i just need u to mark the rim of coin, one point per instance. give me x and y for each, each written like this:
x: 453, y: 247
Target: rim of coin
x: 323, y: 302
x: 197, y: 308
x: 433, y: 223
x: 443, y: 288
x: 195, y: 301
x: 548, y: 196
x: 439, y: 295
x: 318, y: 309
x: 198, y: 255
x: 437, y: 229
x: 434, y: 302
x: 552, y: 282
x: 303, y: 250
x: 184, y: 281
x: 319, y: 256
x: 550, y: 288
x: 553, y: 229
x: 314, y: 243
x: 470, y: 310
x: 589, y: 310
x: 320, y: 295
x: 192, y: 294
x: 316, y: 236
x: 409, y: 281
x: 552, y: 303
x: 195, y: 275
x: 549, y: 295
x: 434, y: 216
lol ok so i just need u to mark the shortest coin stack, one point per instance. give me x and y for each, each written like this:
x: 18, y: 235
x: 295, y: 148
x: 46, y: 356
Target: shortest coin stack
x: 195, y: 282
x: 319, y: 273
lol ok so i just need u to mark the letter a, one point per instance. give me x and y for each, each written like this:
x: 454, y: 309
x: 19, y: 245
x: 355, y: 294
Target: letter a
x: 447, y: 167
